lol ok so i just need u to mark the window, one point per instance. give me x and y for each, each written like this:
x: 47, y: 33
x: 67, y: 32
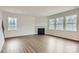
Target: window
x: 12, y: 23
x: 51, y: 24
x: 71, y: 23
x: 60, y: 23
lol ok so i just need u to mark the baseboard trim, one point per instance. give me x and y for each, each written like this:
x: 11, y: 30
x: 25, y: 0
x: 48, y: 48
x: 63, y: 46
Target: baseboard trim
x: 62, y: 37
x: 46, y: 35
x: 18, y: 36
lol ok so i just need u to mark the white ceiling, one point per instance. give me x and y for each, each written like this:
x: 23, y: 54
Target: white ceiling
x: 36, y: 10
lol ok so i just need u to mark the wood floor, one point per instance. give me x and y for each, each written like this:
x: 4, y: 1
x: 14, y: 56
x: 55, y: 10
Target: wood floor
x: 39, y: 44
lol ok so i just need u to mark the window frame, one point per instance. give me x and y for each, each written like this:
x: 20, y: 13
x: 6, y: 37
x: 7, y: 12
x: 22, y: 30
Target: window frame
x: 49, y: 24
x: 12, y: 23
x: 61, y: 24
x: 75, y: 23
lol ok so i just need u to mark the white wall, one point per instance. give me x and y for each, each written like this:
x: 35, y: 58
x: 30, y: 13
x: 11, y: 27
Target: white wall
x: 25, y: 25
x: 40, y: 22
x: 66, y: 34
x: 1, y: 33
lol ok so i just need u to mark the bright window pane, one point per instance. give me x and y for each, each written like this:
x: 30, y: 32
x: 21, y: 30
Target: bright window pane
x: 71, y: 23
x: 51, y: 24
x: 12, y: 23
x: 59, y: 23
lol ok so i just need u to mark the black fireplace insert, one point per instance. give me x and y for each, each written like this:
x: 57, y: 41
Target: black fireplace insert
x: 41, y: 31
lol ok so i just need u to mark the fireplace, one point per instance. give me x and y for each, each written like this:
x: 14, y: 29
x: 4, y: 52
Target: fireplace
x: 41, y: 31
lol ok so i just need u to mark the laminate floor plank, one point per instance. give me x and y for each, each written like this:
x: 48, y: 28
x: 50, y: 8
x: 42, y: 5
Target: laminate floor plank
x: 39, y: 44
